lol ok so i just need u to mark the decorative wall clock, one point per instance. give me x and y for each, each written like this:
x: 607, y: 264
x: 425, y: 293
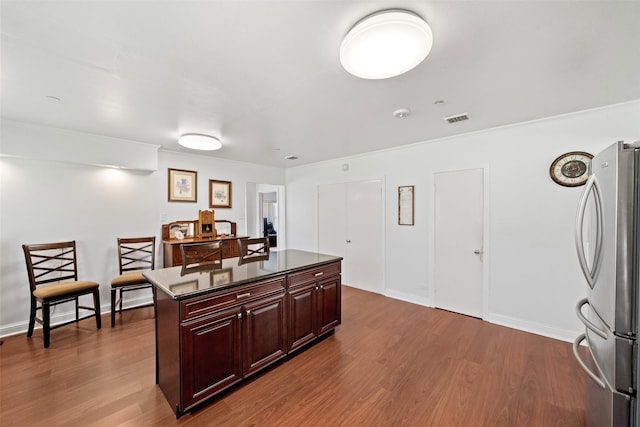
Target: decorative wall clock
x: 571, y: 169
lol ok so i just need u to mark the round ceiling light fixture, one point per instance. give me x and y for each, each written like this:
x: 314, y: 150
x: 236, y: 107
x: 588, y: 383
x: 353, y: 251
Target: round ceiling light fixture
x: 386, y: 44
x: 197, y: 141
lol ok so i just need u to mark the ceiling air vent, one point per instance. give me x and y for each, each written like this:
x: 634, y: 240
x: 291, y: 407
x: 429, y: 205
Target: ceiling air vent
x: 457, y: 118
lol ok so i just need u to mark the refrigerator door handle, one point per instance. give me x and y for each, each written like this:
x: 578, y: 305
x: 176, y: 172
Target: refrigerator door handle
x: 590, y: 274
x: 588, y: 323
x: 576, y: 353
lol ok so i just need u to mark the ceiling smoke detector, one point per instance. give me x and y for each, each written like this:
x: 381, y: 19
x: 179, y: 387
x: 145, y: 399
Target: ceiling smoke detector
x: 457, y: 118
x: 402, y: 113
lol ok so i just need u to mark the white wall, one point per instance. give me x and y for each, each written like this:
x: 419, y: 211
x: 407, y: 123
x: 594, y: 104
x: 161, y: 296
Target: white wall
x: 43, y: 201
x: 533, y: 279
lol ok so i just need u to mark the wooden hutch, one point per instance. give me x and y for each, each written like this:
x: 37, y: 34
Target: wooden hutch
x: 204, y: 229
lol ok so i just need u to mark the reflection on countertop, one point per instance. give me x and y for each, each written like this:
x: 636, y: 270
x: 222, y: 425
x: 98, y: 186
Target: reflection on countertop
x: 230, y: 274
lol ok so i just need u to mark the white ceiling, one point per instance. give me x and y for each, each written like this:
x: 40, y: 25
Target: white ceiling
x: 264, y: 76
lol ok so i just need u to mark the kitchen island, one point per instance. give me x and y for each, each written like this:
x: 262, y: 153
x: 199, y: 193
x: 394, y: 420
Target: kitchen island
x: 215, y: 328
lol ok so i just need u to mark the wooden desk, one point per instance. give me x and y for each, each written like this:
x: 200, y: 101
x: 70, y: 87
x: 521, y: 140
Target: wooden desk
x: 171, y: 248
x: 218, y: 327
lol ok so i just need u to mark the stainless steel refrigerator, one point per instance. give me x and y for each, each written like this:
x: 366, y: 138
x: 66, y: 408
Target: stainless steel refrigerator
x: 607, y: 236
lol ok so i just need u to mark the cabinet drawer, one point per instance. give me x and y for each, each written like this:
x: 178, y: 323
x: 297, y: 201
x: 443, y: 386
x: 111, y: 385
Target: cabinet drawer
x: 199, y: 306
x: 313, y: 274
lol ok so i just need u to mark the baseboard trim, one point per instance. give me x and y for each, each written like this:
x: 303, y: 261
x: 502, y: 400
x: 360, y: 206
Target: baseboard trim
x: 498, y: 319
x: 66, y: 316
x: 414, y: 299
x: 534, y: 328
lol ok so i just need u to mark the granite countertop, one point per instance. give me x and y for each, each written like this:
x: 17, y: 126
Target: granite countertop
x: 178, y: 286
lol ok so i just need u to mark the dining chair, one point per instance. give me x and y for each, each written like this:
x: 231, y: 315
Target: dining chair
x: 253, y: 249
x: 53, y: 279
x: 135, y: 254
x: 200, y: 256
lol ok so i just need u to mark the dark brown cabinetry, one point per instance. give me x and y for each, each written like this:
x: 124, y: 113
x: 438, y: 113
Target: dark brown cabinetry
x: 209, y: 338
x: 212, y: 359
x: 229, y: 335
x: 314, y: 304
x: 212, y: 346
x: 264, y: 333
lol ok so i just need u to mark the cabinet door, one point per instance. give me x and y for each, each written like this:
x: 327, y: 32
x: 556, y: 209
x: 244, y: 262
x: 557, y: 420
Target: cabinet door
x: 264, y: 333
x: 302, y: 315
x: 328, y: 304
x: 212, y: 357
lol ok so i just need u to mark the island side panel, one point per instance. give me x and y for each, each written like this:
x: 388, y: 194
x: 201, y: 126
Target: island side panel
x: 168, y: 353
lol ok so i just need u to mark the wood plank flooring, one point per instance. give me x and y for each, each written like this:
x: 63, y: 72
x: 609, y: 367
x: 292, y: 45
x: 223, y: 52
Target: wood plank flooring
x: 390, y: 363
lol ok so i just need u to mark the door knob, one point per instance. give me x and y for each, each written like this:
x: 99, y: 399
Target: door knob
x: 477, y: 252
x: 348, y: 241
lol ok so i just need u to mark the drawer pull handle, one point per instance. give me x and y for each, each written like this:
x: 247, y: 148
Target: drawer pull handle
x: 248, y: 294
x: 318, y: 274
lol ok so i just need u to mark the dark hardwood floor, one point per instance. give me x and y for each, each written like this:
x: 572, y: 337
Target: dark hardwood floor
x: 390, y: 363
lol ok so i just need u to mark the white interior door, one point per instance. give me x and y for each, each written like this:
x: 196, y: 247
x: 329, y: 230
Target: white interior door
x: 459, y: 224
x: 364, y: 236
x: 350, y: 224
x: 332, y: 220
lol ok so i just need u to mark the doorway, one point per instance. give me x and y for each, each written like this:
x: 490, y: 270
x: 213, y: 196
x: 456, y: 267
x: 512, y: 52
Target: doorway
x: 268, y: 206
x: 350, y: 225
x: 459, y: 234
x: 265, y: 204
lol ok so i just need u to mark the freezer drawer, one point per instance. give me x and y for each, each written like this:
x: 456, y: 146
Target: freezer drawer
x: 613, y: 355
x: 604, y: 407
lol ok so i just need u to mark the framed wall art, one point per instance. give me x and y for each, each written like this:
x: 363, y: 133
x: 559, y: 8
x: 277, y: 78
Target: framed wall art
x: 183, y: 185
x: 405, y: 205
x: 219, y: 194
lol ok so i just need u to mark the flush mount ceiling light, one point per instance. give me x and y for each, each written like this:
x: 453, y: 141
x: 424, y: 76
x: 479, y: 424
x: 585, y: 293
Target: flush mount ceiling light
x: 386, y: 44
x: 197, y: 141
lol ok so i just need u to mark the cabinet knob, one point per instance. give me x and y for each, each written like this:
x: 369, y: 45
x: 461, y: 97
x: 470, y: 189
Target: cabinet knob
x: 248, y: 312
x: 318, y: 274
x: 248, y: 294
x: 239, y: 315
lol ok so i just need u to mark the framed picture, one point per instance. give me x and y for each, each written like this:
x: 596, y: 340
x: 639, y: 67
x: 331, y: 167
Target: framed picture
x: 183, y: 185
x: 405, y: 205
x: 219, y: 194
x: 181, y: 230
